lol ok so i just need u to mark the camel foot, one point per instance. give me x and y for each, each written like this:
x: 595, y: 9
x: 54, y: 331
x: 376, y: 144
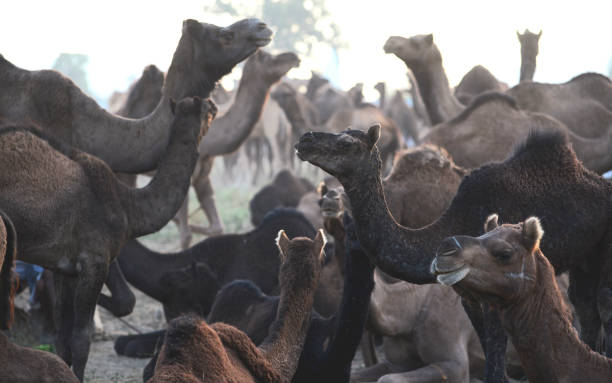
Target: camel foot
x: 209, y: 231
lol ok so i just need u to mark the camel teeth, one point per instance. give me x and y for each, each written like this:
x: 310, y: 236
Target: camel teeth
x: 454, y: 277
x: 449, y: 252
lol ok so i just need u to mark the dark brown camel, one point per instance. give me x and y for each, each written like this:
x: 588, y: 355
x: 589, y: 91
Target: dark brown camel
x: 506, y: 269
x: 46, y: 182
x: 196, y: 352
x: 543, y: 177
x: 584, y: 103
x: 204, y: 54
x: 285, y: 190
x: 188, y: 281
x: 529, y: 53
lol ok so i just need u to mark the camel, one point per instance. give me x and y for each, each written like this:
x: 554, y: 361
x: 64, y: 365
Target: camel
x: 529, y: 52
x: 196, y: 352
x: 98, y: 212
x: 297, y: 107
x: 584, y: 103
x: 285, y: 190
x: 506, y: 268
x: 261, y: 71
x: 325, y: 98
x: 543, y: 177
x: 424, y: 60
x: 204, y: 54
x: 188, y: 281
x: 475, y: 82
x: 492, y: 125
x: 397, y: 110
x: 142, y: 96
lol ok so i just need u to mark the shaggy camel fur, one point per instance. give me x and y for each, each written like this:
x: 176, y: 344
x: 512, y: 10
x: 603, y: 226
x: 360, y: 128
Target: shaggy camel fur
x: 99, y: 213
x: 543, y: 177
x: 529, y: 52
x: 506, y: 268
x: 492, y: 125
x: 584, y: 103
x: 475, y: 82
x: 204, y: 54
x: 424, y: 60
x: 196, y: 352
x: 188, y: 281
x: 285, y: 190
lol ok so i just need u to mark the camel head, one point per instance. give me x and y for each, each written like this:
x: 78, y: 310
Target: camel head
x: 316, y: 81
x: 498, y: 267
x: 342, y: 154
x: 380, y: 87
x: 301, y: 258
x: 217, y: 49
x: 192, y: 109
x: 189, y: 289
x: 529, y: 42
x: 331, y: 201
x: 270, y: 67
x: 414, y: 51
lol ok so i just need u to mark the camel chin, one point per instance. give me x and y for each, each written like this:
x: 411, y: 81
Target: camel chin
x: 453, y: 277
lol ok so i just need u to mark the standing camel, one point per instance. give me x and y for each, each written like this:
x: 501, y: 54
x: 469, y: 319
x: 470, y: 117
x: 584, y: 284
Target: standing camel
x: 543, y: 177
x: 506, y: 268
x: 72, y: 215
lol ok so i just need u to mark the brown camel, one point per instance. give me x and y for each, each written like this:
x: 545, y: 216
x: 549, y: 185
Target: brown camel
x: 584, y: 103
x: 506, y: 268
x: 46, y: 182
x: 196, y: 352
x: 142, y: 96
x: 543, y: 177
x: 529, y: 52
x: 204, y: 54
x: 492, y: 125
x: 475, y: 82
x: 260, y: 72
x: 423, y: 58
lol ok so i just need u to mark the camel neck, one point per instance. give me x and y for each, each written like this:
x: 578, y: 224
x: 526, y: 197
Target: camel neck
x: 528, y: 66
x: 229, y: 131
x: 143, y: 268
x: 401, y: 252
x: 150, y: 208
x: 543, y: 335
x: 440, y: 103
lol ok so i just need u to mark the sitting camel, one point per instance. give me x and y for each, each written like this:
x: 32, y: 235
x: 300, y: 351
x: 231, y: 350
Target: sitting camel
x: 188, y: 281
x: 542, y: 177
x: 506, y: 268
x: 196, y: 352
x: 45, y: 182
x: 21, y: 364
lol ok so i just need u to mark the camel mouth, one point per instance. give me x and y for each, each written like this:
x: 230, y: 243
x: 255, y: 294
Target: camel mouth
x: 449, y: 277
x: 261, y: 41
x: 328, y: 213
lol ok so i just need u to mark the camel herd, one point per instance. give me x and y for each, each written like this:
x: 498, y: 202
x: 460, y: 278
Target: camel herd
x: 435, y: 262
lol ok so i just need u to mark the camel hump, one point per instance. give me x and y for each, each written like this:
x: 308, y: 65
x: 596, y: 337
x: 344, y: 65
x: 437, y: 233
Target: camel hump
x: 284, y: 213
x: 543, y: 140
x: 590, y: 76
x: 60, y: 146
x: 481, y: 100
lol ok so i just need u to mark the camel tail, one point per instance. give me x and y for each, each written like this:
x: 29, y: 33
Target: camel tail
x: 8, y: 280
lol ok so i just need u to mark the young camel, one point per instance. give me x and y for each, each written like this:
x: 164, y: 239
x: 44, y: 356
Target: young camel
x: 46, y: 182
x: 543, y: 177
x: 196, y: 352
x: 505, y: 268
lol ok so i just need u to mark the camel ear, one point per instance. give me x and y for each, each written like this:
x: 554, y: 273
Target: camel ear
x: 540, y: 34
x: 532, y: 233
x: 173, y: 106
x: 319, y: 244
x: 491, y: 223
x: 322, y: 189
x: 429, y: 39
x: 518, y: 34
x: 190, y: 25
x: 282, y: 242
x: 373, y: 135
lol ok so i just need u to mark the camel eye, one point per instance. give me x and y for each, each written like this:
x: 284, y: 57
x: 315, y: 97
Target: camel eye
x: 503, y: 255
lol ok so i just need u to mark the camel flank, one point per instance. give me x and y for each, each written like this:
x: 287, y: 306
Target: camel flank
x: 506, y: 268
x: 204, y: 54
x: 542, y: 174
x: 196, y: 352
x: 57, y: 183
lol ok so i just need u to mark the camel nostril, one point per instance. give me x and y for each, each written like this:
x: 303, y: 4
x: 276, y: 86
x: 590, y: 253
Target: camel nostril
x: 448, y: 247
x: 262, y: 26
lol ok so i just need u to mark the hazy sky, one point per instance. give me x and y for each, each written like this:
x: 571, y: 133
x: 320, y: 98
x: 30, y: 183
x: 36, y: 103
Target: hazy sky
x: 121, y: 37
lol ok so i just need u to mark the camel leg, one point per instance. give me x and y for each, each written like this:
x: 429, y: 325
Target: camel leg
x: 368, y: 349
x: 87, y: 289
x: 204, y: 191
x: 122, y: 299
x: 493, y: 339
x: 583, y: 295
x: 64, y: 315
x: 182, y: 220
x: 372, y: 373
